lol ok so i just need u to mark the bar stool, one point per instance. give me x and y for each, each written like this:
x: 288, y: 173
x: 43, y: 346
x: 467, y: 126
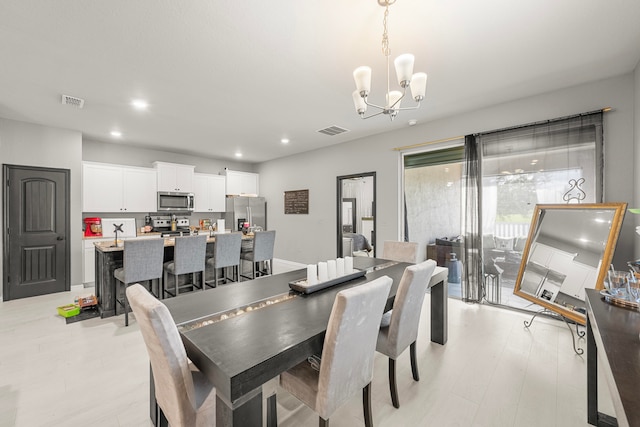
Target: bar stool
x: 141, y: 261
x: 226, y: 253
x: 262, y: 251
x: 188, y: 258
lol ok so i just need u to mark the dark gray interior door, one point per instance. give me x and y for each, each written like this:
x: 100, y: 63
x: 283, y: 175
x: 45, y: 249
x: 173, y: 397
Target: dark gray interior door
x: 36, y: 231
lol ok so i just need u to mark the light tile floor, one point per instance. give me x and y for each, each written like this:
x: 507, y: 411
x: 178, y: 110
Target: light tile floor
x: 492, y: 372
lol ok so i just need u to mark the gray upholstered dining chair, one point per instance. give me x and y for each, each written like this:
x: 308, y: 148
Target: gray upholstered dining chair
x: 400, y: 251
x: 226, y: 253
x: 262, y: 251
x: 184, y: 395
x: 347, y: 355
x: 399, y: 327
x: 141, y: 261
x: 189, y: 257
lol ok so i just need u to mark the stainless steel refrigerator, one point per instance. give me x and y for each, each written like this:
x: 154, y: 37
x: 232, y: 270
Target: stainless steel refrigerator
x: 246, y: 209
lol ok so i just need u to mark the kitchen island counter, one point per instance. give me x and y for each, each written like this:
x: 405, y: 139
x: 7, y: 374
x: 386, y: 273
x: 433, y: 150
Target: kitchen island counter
x: 108, y: 258
x: 168, y: 241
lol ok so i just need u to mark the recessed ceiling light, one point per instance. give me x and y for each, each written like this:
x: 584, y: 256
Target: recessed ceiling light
x: 412, y: 122
x: 140, y: 104
x: 285, y: 140
x: 238, y: 154
x: 116, y: 133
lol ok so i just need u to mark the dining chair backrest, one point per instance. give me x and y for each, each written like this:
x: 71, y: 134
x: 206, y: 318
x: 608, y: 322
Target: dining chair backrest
x: 172, y: 378
x: 263, y: 242
x: 349, y: 343
x: 400, y: 251
x: 190, y: 254
x: 226, y: 251
x: 407, y: 306
x: 142, y: 259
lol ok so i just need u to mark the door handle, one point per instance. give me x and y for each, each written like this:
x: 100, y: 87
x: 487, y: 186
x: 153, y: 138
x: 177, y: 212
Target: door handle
x: 60, y: 238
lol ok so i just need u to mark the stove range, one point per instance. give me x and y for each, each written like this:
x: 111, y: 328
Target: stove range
x: 163, y: 225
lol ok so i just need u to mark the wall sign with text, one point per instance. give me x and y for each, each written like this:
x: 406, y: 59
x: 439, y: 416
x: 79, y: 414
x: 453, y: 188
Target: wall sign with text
x: 296, y: 202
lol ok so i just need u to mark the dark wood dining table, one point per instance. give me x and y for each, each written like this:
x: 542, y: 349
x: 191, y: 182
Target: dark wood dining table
x: 252, y: 346
x: 613, y: 339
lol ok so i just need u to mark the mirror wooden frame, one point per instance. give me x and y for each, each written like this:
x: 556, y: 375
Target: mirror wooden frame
x: 616, y: 224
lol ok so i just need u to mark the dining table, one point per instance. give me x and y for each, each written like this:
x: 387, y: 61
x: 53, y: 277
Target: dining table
x: 243, y: 335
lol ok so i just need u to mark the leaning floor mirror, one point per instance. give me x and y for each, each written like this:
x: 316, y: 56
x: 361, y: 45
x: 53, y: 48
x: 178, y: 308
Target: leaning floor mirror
x: 568, y: 250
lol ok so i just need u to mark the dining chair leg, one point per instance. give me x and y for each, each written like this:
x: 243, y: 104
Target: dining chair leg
x: 366, y: 405
x: 126, y: 308
x: 393, y: 388
x: 165, y: 281
x: 414, y: 361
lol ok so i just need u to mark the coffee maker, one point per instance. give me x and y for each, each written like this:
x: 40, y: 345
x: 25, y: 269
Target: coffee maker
x: 92, y: 227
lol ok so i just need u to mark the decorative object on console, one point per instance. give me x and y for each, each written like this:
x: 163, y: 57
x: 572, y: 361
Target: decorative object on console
x: 404, y: 71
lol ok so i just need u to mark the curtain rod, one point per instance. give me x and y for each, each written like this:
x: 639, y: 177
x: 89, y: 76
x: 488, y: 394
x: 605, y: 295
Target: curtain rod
x: 541, y: 122
x: 424, y: 144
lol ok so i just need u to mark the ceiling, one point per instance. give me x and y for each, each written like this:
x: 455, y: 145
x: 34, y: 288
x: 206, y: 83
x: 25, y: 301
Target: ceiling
x: 222, y: 77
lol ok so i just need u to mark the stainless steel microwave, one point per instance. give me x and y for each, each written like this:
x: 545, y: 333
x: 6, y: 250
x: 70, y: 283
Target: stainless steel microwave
x: 175, y: 202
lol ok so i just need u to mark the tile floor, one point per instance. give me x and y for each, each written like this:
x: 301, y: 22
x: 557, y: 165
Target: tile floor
x: 492, y: 372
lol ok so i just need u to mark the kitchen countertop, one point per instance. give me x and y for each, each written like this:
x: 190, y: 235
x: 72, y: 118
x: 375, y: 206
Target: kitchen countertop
x: 168, y: 241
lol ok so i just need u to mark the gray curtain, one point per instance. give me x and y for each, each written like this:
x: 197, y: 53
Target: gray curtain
x: 472, y: 254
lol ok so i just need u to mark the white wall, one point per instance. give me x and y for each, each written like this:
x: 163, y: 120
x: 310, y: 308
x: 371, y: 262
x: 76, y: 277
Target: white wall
x: 29, y: 144
x: 309, y: 238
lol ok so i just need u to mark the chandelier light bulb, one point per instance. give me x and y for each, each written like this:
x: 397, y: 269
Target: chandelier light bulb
x: 358, y: 101
x: 418, y: 86
x: 393, y: 99
x: 362, y: 76
x: 404, y: 68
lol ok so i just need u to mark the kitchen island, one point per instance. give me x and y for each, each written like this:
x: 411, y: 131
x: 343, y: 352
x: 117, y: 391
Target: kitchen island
x: 108, y: 258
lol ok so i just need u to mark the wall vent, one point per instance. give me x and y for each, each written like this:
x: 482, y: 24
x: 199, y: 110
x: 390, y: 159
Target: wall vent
x: 73, y: 101
x: 333, y: 130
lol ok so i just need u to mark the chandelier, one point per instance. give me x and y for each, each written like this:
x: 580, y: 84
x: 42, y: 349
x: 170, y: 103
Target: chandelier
x: 404, y: 72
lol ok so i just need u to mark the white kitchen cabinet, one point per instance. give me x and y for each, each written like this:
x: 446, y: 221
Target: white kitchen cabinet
x: 101, y: 187
x: 209, y: 191
x: 174, y: 177
x: 240, y: 183
x: 115, y: 188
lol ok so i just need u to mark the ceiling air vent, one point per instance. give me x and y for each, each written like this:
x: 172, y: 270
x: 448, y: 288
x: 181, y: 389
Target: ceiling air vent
x: 333, y: 130
x: 73, y: 101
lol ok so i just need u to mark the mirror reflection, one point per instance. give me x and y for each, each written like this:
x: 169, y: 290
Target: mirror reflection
x: 569, y: 249
x: 356, y: 215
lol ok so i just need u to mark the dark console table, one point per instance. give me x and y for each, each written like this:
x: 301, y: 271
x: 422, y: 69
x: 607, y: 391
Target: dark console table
x: 612, y: 334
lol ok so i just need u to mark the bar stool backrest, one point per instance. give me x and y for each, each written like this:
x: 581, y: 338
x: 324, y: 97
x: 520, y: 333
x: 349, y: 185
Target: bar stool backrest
x: 263, y: 242
x: 142, y: 259
x: 227, y: 249
x: 190, y: 253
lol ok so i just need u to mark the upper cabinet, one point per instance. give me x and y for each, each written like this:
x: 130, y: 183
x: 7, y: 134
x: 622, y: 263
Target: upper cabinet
x: 241, y: 183
x: 115, y: 188
x: 209, y: 192
x: 174, y: 177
